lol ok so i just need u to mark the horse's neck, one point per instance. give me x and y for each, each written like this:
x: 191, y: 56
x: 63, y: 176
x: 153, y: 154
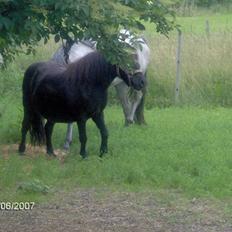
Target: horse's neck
x: 106, y: 82
x: 100, y: 79
x: 107, y: 79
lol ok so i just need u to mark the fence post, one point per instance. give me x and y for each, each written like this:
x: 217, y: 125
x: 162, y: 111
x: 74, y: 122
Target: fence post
x: 178, y: 63
x: 207, y: 28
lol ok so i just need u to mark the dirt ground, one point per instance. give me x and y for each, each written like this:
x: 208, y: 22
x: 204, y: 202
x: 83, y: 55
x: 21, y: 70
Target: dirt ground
x: 101, y: 210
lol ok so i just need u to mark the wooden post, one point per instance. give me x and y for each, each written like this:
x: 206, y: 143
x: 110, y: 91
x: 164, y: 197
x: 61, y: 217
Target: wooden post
x: 207, y: 28
x: 178, y: 63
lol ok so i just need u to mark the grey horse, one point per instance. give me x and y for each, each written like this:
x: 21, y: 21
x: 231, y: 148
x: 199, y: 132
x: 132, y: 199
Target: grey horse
x: 132, y: 100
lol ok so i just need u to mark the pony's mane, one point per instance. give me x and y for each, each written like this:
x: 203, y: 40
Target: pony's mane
x: 91, y: 68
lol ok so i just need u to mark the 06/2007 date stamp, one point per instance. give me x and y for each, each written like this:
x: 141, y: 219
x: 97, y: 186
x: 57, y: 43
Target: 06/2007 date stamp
x: 16, y: 206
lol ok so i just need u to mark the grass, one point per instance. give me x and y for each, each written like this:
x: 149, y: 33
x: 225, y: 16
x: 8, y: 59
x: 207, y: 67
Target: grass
x: 185, y: 149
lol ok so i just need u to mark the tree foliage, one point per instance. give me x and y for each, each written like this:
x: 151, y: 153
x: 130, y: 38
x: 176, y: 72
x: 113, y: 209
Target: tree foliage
x: 23, y: 23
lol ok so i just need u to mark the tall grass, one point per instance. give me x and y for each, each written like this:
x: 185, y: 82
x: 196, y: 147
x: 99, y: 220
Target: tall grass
x: 206, y: 69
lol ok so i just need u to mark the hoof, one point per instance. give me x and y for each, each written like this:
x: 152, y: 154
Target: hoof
x: 21, y: 149
x: 103, y: 151
x: 83, y: 155
x: 128, y: 122
x: 66, y: 146
x: 21, y: 153
x: 51, y: 154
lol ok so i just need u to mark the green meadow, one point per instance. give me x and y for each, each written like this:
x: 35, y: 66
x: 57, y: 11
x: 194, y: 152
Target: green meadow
x: 185, y: 148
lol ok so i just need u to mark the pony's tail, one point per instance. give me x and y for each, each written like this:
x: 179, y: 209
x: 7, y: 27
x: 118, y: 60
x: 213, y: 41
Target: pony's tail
x: 37, y: 131
x: 34, y: 119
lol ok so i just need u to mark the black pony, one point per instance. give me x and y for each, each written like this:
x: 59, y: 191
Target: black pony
x: 67, y: 94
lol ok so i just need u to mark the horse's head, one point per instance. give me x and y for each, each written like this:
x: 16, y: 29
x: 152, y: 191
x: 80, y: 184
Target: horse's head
x: 136, y: 80
x: 139, y: 59
x: 136, y: 74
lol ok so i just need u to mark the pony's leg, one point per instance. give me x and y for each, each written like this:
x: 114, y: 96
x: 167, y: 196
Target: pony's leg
x: 24, y: 130
x: 48, y: 131
x: 82, y: 137
x: 68, y: 139
x: 139, y: 113
x: 100, y: 123
x: 136, y: 101
x: 123, y: 95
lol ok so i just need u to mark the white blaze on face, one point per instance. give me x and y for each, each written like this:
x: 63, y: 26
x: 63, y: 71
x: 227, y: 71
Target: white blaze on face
x: 79, y: 50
